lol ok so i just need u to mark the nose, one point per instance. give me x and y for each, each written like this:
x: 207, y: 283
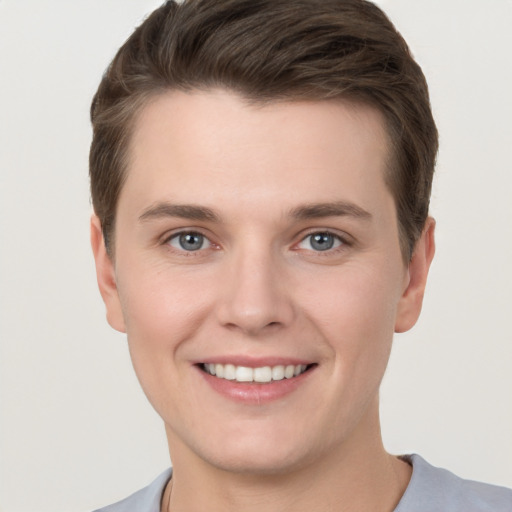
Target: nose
x: 257, y: 295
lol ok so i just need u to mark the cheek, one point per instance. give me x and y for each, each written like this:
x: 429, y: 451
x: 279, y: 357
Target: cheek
x: 356, y: 297
x: 162, y: 310
x: 160, y: 306
x: 355, y: 311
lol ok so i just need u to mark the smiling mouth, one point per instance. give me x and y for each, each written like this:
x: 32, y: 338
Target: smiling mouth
x: 262, y: 374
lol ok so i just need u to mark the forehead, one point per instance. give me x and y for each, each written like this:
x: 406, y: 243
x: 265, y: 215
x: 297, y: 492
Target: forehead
x: 219, y: 144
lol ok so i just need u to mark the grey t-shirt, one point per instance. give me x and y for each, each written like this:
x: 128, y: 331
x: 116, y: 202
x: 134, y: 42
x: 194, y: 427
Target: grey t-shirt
x: 430, y: 489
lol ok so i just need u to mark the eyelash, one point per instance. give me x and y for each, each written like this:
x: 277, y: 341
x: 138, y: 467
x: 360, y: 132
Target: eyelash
x: 340, y: 243
x: 344, y: 243
x: 182, y: 251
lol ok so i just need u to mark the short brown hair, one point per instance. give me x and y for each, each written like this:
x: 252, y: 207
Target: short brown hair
x: 270, y: 50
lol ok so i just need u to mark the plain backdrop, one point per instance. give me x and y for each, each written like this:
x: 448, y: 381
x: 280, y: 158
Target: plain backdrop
x: 76, y: 432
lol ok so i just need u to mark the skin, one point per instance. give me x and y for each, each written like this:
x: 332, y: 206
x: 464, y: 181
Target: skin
x: 258, y: 287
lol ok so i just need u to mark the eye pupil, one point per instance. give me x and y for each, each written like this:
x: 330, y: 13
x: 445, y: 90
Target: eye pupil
x: 191, y: 241
x: 322, y: 241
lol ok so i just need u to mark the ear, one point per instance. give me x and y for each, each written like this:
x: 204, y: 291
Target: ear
x: 409, y: 306
x: 105, y: 274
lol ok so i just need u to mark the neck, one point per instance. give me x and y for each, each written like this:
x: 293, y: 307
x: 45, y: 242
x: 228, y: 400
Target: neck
x: 360, y: 475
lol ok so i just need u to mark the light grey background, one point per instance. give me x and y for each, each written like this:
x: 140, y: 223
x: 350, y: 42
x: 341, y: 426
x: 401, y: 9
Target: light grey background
x: 75, y: 430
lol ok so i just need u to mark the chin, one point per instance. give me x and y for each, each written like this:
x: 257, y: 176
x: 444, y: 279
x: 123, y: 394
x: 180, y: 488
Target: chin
x: 259, y: 462
x: 265, y: 452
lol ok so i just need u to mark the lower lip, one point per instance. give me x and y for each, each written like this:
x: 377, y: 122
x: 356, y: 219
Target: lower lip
x: 254, y: 393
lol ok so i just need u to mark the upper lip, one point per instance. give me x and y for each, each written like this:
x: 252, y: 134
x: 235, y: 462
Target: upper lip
x: 255, y: 362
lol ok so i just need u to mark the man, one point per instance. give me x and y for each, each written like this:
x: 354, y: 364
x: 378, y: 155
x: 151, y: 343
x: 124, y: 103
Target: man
x: 261, y: 174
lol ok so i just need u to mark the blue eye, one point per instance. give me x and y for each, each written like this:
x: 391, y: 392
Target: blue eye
x: 322, y: 241
x: 189, y: 241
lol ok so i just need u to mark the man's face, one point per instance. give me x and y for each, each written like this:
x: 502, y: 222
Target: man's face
x: 251, y: 240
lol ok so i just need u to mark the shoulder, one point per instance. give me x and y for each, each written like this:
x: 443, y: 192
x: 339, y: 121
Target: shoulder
x: 146, y: 500
x: 433, y: 489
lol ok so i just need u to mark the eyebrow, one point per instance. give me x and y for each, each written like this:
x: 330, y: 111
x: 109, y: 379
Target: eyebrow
x: 334, y: 209
x: 184, y: 211
x: 304, y: 212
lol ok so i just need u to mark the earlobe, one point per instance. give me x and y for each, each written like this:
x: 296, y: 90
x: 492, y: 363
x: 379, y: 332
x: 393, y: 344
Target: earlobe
x: 105, y: 275
x: 409, y: 306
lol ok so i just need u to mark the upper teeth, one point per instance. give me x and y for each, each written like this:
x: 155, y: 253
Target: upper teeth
x: 260, y: 374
